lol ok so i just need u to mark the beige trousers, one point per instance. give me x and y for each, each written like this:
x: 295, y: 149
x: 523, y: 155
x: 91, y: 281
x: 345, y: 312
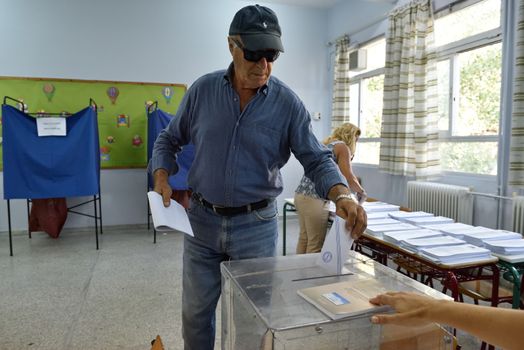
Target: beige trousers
x: 313, y: 214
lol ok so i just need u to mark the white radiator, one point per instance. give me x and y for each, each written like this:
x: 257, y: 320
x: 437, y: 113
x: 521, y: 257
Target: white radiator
x: 518, y: 214
x: 451, y: 201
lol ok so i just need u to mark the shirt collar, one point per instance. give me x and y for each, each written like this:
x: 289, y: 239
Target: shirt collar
x: 228, y: 79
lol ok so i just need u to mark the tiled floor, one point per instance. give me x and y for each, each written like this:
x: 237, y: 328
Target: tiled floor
x: 63, y: 294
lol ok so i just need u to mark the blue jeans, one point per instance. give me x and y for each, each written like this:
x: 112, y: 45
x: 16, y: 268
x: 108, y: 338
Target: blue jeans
x: 218, y: 238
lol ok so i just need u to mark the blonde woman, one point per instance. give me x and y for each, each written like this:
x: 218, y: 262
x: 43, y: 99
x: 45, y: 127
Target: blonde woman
x: 313, y: 211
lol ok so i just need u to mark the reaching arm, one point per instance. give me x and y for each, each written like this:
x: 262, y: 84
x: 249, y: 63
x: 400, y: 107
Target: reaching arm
x: 497, y: 326
x: 343, y: 158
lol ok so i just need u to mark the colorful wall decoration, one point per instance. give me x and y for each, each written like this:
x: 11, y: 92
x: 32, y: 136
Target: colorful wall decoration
x: 121, y: 110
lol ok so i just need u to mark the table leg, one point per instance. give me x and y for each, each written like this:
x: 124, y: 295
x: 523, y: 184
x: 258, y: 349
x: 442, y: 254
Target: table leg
x: 453, y: 285
x: 516, y: 280
x: 284, y: 230
x: 495, y: 289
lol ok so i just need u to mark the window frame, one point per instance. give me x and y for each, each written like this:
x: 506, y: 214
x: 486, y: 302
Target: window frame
x: 357, y: 79
x: 451, y: 52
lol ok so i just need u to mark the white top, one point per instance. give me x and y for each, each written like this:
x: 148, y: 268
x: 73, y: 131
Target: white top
x: 416, y: 244
x: 396, y: 236
x: 382, y: 221
x: 481, y: 238
x: 401, y: 215
x: 383, y: 207
x: 429, y: 220
x: 456, y: 254
x: 378, y: 230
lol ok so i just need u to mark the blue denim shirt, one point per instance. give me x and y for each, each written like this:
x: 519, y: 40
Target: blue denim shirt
x: 238, y: 155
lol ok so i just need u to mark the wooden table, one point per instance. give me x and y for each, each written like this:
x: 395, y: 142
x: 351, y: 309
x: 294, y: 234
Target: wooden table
x: 451, y: 274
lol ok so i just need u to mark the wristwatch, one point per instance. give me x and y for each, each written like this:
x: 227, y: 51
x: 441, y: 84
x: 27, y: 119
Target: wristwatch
x: 343, y: 195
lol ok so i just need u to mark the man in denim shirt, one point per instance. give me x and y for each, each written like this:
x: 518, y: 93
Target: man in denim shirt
x: 244, y: 125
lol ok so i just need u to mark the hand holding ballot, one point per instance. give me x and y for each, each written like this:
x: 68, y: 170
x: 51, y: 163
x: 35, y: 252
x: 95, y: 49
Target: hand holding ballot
x: 168, y: 218
x: 348, y: 209
x: 162, y: 186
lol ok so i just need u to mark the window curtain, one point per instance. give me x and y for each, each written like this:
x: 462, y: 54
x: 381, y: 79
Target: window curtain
x: 340, y: 104
x: 409, y: 133
x: 516, y: 155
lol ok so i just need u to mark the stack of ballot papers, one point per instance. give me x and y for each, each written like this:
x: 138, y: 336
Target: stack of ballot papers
x: 429, y: 220
x: 383, y: 221
x: 416, y: 244
x: 379, y: 215
x: 447, y: 227
x: 506, y: 246
x: 403, y: 215
x: 370, y: 204
x: 481, y: 238
x: 456, y: 254
x: 379, y: 230
x: 396, y: 236
x: 372, y: 207
x: 460, y: 232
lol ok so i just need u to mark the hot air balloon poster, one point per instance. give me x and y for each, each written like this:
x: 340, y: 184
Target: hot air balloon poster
x: 121, y: 116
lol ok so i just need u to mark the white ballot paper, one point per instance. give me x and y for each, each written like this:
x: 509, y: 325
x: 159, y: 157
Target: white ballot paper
x: 171, y: 218
x: 336, y: 247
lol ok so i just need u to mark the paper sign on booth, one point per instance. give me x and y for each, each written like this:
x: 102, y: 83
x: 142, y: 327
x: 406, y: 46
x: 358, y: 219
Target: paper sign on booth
x: 51, y: 126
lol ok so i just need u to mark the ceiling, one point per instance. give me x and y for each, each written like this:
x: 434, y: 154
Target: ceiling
x: 323, y: 3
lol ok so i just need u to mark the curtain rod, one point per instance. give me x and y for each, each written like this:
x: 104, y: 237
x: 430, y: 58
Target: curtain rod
x: 332, y: 42
x: 448, y: 7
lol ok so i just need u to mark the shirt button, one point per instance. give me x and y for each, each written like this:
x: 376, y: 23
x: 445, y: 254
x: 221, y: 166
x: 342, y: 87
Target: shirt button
x: 235, y: 99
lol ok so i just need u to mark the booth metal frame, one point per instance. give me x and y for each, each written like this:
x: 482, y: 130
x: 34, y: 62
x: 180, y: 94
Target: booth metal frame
x: 97, y: 198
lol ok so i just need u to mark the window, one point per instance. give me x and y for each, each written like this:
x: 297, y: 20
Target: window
x: 463, y: 23
x: 469, y: 68
x: 365, y: 96
x: 469, y: 81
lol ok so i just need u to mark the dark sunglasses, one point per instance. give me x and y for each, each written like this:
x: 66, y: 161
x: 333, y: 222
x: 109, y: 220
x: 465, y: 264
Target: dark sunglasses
x: 255, y: 56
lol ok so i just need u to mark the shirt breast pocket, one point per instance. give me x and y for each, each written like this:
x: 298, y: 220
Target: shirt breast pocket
x: 269, y: 139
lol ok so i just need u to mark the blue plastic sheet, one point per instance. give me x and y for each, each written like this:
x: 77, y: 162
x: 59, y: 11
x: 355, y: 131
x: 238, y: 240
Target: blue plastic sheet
x: 157, y: 121
x: 50, y: 166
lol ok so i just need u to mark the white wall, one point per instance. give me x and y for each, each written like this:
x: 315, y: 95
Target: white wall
x: 172, y: 41
x: 352, y: 17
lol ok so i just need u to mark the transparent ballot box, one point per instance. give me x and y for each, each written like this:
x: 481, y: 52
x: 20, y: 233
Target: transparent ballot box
x: 261, y: 308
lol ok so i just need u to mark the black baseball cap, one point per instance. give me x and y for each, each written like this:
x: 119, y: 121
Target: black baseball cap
x: 258, y: 28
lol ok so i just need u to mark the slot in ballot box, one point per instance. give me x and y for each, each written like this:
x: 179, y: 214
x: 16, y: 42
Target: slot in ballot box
x: 262, y: 310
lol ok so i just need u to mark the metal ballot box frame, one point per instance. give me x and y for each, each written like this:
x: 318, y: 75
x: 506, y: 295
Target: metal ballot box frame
x: 262, y: 310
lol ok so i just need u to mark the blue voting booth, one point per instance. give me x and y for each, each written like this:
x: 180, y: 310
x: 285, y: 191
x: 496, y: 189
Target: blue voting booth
x: 157, y: 120
x: 37, y: 167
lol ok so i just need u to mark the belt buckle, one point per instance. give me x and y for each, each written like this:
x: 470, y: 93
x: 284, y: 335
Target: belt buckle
x: 215, y: 207
x: 199, y: 198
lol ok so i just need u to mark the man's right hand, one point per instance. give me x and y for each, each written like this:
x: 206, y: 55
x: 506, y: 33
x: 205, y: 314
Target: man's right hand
x: 162, y: 186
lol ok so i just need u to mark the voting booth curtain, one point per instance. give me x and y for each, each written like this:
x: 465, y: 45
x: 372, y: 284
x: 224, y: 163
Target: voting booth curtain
x: 157, y: 121
x: 50, y: 166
